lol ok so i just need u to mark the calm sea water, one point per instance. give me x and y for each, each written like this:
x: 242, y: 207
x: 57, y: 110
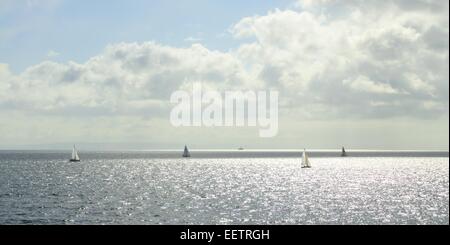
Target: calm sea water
x: 224, y: 188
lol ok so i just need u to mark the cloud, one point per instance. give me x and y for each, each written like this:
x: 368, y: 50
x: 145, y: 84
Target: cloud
x: 336, y: 57
x: 126, y: 78
x: 193, y: 39
x: 376, y: 6
x: 52, y: 54
x: 327, y: 58
x: 364, y: 84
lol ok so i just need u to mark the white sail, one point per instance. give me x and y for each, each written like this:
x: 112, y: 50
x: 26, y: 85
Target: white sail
x: 305, y: 160
x: 75, y: 154
x: 186, y: 152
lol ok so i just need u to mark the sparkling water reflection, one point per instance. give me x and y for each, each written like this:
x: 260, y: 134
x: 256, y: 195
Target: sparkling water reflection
x: 365, y: 190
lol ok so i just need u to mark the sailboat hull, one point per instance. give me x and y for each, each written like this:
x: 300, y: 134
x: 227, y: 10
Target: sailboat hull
x: 73, y: 160
x: 343, y: 153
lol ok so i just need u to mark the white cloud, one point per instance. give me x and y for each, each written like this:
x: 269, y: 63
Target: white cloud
x: 317, y: 59
x: 193, y: 39
x: 329, y: 58
x: 364, y: 84
x: 125, y: 78
x: 396, y: 50
x: 52, y: 54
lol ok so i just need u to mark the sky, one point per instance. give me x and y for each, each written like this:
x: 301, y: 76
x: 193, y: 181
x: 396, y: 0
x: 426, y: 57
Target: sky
x: 364, y: 74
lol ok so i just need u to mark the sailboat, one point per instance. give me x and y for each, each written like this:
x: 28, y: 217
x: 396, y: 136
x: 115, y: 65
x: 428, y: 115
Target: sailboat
x: 75, y: 157
x: 305, y: 160
x: 186, y: 152
x: 343, y: 154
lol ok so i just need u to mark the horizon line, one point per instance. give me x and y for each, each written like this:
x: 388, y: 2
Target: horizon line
x: 228, y: 149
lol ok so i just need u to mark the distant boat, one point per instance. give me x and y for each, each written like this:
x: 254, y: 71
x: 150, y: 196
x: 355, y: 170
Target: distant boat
x: 75, y: 157
x: 186, y: 152
x: 305, y: 160
x: 241, y: 148
x: 343, y: 154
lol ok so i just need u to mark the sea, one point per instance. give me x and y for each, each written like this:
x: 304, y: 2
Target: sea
x: 225, y: 187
